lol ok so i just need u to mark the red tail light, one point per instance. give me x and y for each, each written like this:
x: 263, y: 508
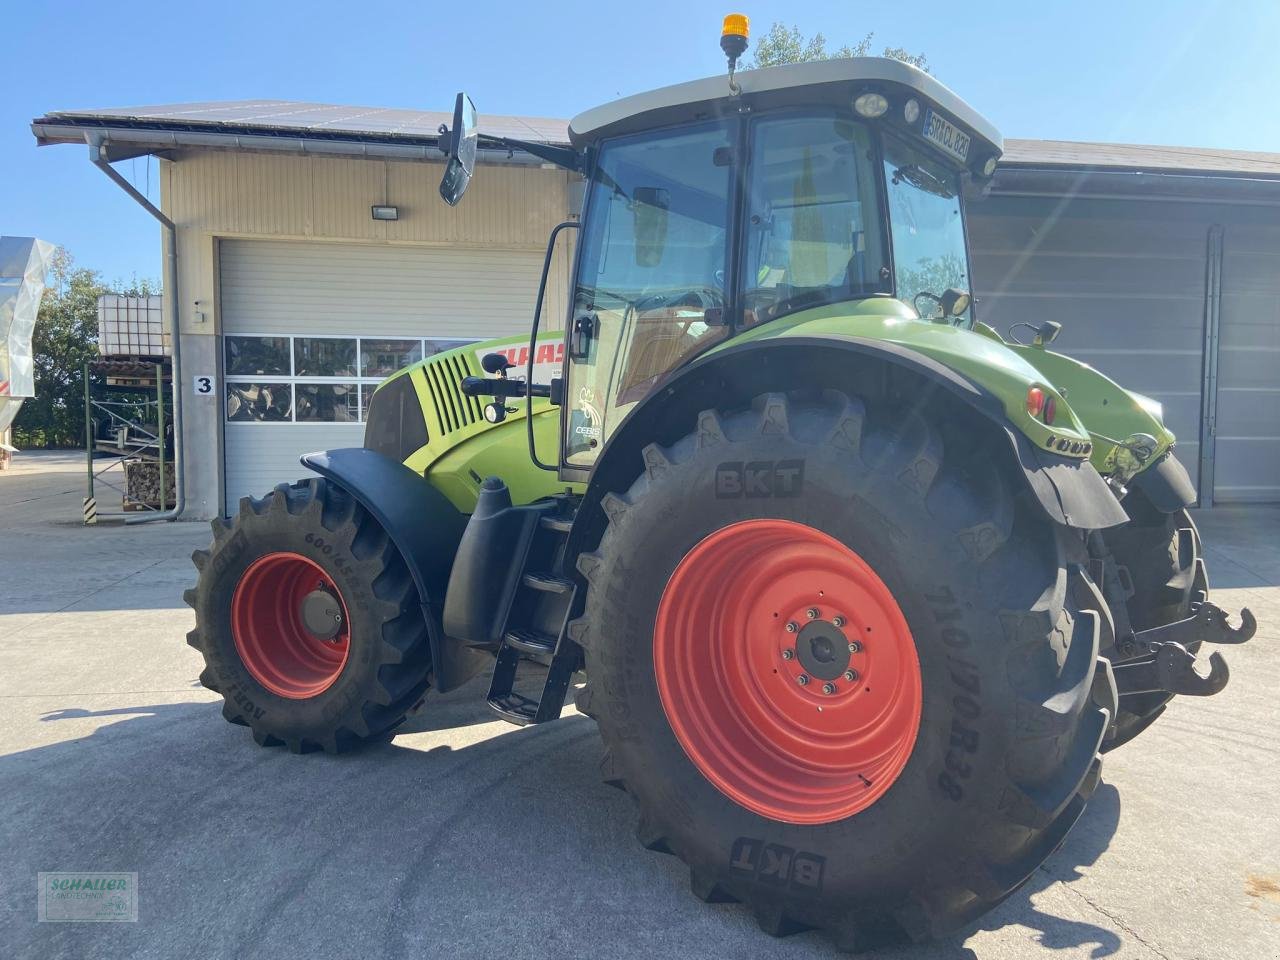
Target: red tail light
x: 1040, y: 404
x: 1035, y: 401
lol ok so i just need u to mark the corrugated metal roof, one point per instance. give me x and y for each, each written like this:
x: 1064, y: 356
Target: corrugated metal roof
x: 324, y: 120
x: 317, y: 118
x: 1130, y: 156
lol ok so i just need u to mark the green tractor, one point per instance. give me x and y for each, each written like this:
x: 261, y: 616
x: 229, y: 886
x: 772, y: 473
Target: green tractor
x: 857, y: 590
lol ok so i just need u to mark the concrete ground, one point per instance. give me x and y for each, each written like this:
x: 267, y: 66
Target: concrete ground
x: 466, y: 837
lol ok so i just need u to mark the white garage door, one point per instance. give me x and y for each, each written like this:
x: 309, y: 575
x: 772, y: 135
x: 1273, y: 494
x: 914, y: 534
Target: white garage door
x: 310, y: 328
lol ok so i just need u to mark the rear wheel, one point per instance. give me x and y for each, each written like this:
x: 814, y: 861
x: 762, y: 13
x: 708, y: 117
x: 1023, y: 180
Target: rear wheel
x: 840, y: 669
x: 308, y: 621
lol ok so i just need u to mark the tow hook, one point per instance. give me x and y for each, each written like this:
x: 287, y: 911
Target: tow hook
x: 1166, y: 665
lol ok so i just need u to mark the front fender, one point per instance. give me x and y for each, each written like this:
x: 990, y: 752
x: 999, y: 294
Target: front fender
x: 1069, y: 489
x: 425, y: 527
x: 1108, y: 411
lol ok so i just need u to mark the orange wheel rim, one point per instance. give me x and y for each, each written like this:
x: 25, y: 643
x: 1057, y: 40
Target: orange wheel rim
x: 787, y: 671
x: 270, y: 632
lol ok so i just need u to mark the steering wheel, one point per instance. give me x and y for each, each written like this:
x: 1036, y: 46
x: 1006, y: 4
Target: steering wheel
x: 698, y: 297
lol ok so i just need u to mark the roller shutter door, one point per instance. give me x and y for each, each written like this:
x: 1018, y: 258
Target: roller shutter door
x: 309, y: 328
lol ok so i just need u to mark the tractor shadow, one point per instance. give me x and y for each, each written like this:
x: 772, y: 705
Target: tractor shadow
x: 483, y: 841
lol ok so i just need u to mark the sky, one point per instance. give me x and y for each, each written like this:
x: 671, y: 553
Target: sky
x: 1199, y: 73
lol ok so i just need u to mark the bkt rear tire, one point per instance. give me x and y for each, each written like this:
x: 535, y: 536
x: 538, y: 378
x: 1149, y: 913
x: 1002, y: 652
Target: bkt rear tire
x: 979, y: 724
x: 308, y: 621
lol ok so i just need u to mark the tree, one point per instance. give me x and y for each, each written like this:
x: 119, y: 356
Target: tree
x: 66, y: 335
x: 782, y: 45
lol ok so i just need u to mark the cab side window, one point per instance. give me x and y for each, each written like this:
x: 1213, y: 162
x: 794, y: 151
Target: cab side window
x: 813, y: 233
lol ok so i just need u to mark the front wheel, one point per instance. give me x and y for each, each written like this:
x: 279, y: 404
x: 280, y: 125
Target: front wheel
x: 308, y: 621
x: 840, y: 670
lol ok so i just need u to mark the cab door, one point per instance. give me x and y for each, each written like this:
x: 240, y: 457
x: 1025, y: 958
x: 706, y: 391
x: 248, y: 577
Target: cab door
x: 653, y: 276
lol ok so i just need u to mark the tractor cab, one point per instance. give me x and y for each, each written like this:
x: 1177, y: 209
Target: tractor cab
x: 715, y: 208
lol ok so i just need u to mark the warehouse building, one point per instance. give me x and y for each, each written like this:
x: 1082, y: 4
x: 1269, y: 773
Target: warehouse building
x: 313, y: 257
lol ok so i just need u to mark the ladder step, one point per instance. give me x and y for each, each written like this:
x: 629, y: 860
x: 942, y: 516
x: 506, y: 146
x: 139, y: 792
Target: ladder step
x: 547, y: 583
x: 558, y: 524
x: 515, y: 708
x: 531, y: 642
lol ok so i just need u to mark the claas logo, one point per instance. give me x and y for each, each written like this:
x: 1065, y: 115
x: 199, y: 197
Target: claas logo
x: 519, y: 356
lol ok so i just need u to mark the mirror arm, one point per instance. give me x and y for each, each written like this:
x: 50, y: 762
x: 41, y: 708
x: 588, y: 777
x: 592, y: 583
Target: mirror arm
x: 565, y: 157
x: 487, y: 387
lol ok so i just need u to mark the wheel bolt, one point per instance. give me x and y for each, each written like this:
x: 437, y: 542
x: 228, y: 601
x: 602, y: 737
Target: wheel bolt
x: 837, y: 621
x: 854, y: 646
x: 791, y: 626
x: 828, y: 688
x: 812, y: 613
x: 788, y: 654
x: 802, y: 680
x: 851, y: 675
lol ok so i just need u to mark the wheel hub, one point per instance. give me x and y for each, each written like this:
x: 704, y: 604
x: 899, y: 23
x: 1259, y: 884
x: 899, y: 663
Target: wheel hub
x: 822, y: 650
x: 290, y: 625
x: 803, y: 724
x: 321, y: 614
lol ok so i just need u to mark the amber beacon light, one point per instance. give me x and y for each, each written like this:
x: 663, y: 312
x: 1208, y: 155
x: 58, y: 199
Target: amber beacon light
x: 733, y: 41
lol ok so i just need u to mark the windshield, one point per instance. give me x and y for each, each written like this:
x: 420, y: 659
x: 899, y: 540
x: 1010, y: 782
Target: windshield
x: 812, y: 232
x: 651, y: 282
x: 928, y: 230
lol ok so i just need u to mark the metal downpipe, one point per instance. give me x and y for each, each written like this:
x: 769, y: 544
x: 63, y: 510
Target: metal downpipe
x: 170, y: 232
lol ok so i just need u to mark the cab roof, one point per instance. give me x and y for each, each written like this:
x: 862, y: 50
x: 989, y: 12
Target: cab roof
x: 710, y: 97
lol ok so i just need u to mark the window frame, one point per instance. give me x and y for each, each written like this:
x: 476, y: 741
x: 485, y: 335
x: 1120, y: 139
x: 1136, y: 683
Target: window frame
x: 364, y: 385
x: 876, y: 183
x: 735, y: 130
x: 962, y: 182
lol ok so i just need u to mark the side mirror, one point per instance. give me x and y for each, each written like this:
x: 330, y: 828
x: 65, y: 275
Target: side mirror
x: 1046, y: 333
x: 954, y: 302
x: 495, y: 363
x: 649, y: 208
x: 461, y: 151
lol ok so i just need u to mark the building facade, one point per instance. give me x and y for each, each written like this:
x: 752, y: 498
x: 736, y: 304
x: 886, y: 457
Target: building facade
x: 297, y: 303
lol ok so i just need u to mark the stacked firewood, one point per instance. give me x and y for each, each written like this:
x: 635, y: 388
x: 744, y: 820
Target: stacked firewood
x: 142, y: 484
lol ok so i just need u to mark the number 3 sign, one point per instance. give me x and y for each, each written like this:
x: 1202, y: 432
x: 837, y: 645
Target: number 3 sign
x: 202, y: 386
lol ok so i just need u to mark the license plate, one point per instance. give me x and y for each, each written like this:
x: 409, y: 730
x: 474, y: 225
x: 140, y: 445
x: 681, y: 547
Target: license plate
x: 947, y: 135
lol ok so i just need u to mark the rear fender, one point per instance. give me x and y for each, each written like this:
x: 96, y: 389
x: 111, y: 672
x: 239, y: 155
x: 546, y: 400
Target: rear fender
x: 1070, y: 490
x: 425, y: 527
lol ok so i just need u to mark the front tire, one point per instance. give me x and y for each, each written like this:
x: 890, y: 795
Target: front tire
x: 994, y: 701
x: 308, y: 621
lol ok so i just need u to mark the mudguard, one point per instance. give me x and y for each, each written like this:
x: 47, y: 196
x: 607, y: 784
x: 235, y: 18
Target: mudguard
x: 1166, y: 484
x: 425, y: 527
x: 1069, y: 489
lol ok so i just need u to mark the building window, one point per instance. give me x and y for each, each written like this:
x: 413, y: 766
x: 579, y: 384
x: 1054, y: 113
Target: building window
x: 381, y: 358
x: 324, y: 357
x: 288, y: 379
x: 257, y: 356
x: 259, y: 402
x: 328, y: 402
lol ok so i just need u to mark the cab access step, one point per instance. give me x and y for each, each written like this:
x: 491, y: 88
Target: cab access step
x: 510, y: 595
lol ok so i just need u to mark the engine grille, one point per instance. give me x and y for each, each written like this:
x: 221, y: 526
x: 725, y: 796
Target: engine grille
x: 453, y: 409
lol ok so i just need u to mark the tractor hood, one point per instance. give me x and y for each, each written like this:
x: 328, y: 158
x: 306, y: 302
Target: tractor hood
x: 1093, y: 414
